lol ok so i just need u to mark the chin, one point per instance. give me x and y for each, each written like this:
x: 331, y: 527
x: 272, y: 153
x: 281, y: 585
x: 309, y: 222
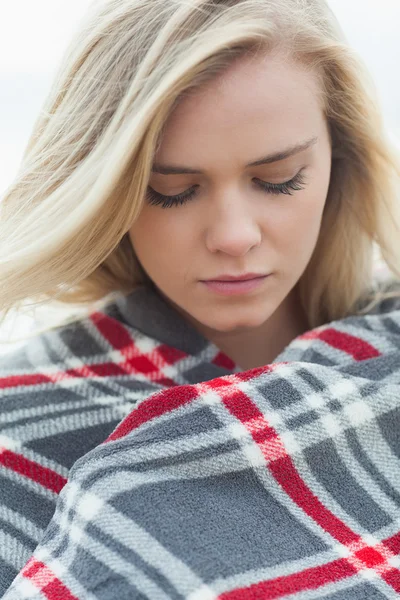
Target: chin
x: 236, y: 325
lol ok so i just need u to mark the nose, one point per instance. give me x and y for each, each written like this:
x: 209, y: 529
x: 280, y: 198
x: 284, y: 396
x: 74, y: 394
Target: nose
x: 234, y: 228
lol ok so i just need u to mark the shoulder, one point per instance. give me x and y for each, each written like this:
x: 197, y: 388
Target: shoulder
x: 75, y: 383
x: 51, y: 346
x: 88, y: 356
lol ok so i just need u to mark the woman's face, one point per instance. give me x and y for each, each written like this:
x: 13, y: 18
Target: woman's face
x: 232, y: 222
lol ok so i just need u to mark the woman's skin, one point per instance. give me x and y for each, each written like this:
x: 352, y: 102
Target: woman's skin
x: 259, y: 106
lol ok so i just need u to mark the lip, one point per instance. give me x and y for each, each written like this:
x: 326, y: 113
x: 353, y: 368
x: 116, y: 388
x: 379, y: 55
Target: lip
x: 233, y: 288
x: 244, y: 277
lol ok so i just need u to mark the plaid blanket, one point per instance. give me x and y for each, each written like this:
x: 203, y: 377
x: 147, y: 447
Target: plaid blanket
x: 278, y: 482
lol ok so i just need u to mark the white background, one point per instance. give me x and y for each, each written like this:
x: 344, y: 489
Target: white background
x: 34, y: 34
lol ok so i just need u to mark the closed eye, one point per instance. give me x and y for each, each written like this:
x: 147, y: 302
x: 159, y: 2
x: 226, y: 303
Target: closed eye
x: 287, y: 188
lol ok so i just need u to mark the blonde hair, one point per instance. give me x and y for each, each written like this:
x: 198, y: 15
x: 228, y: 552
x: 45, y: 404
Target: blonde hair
x: 85, y: 171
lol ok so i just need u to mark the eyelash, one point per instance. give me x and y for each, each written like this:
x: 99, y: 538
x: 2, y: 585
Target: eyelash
x: 295, y: 184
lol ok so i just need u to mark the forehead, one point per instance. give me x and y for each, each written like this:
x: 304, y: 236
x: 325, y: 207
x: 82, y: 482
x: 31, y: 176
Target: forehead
x: 269, y: 98
x: 262, y: 87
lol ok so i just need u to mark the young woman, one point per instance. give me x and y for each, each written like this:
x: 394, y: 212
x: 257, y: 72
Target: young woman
x: 210, y: 178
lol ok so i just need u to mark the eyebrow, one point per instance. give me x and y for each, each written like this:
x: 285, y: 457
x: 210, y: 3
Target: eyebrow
x: 270, y: 158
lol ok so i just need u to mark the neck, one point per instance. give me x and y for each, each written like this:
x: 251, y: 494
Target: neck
x: 260, y: 346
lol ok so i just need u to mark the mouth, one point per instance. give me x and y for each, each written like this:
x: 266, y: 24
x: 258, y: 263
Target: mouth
x: 235, y: 287
x: 244, y: 277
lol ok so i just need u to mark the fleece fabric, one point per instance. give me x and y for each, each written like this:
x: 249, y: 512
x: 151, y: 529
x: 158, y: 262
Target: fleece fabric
x: 137, y: 461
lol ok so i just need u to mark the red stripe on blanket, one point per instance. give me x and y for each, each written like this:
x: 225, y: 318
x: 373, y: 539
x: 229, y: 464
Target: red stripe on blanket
x: 315, y: 577
x: 102, y: 370
x: 29, y: 379
x: 34, y: 471
x: 287, y: 476
x: 169, y: 354
x: 393, y: 543
x: 107, y: 369
x: 392, y: 578
x: 114, y: 332
x: 222, y: 360
x: 358, y: 348
x: 165, y: 401
x: 257, y: 371
x: 136, y: 361
x: 308, y: 579
x: 158, y: 404
x: 46, y: 581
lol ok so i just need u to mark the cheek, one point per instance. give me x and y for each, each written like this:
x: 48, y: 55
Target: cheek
x: 295, y: 230
x: 160, y: 239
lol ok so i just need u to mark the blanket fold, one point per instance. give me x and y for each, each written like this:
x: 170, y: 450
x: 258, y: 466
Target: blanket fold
x: 278, y: 482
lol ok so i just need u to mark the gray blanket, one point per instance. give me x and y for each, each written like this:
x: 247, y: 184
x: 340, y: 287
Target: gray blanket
x: 278, y: 482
